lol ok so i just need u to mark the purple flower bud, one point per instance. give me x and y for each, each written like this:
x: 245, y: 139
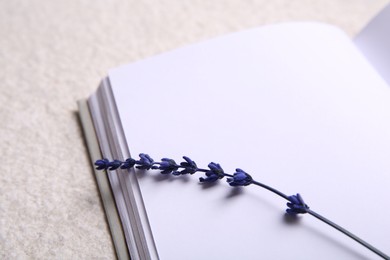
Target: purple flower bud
x: 168, y: 166
x: 240, y: 178
x: 102, y: 164
x: 114, y: 165
x: 145, y: 162
x: 296, y: 205
x: 216, y: 172
x: 189, y: 166
x: 129, y: 163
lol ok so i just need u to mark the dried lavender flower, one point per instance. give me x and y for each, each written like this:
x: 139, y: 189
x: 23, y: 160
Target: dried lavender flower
x: 295, y: 203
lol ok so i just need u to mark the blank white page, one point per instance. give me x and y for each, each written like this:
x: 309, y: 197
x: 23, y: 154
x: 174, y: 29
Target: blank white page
x: 374, y: 42
x: 294, y: 105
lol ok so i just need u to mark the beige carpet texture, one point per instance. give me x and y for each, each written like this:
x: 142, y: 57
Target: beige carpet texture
x: 53, y: 53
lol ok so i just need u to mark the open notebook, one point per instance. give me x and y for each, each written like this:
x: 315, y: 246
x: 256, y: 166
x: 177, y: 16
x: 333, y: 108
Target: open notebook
x: 299, y: 106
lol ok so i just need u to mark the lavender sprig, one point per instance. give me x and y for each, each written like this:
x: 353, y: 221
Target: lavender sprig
x: 295, y: 204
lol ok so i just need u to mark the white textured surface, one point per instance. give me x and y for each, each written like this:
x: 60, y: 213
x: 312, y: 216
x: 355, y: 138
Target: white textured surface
x: 53, y: 53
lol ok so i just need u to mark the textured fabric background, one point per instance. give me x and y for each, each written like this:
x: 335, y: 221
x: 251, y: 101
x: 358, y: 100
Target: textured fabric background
x: 53, y: 53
